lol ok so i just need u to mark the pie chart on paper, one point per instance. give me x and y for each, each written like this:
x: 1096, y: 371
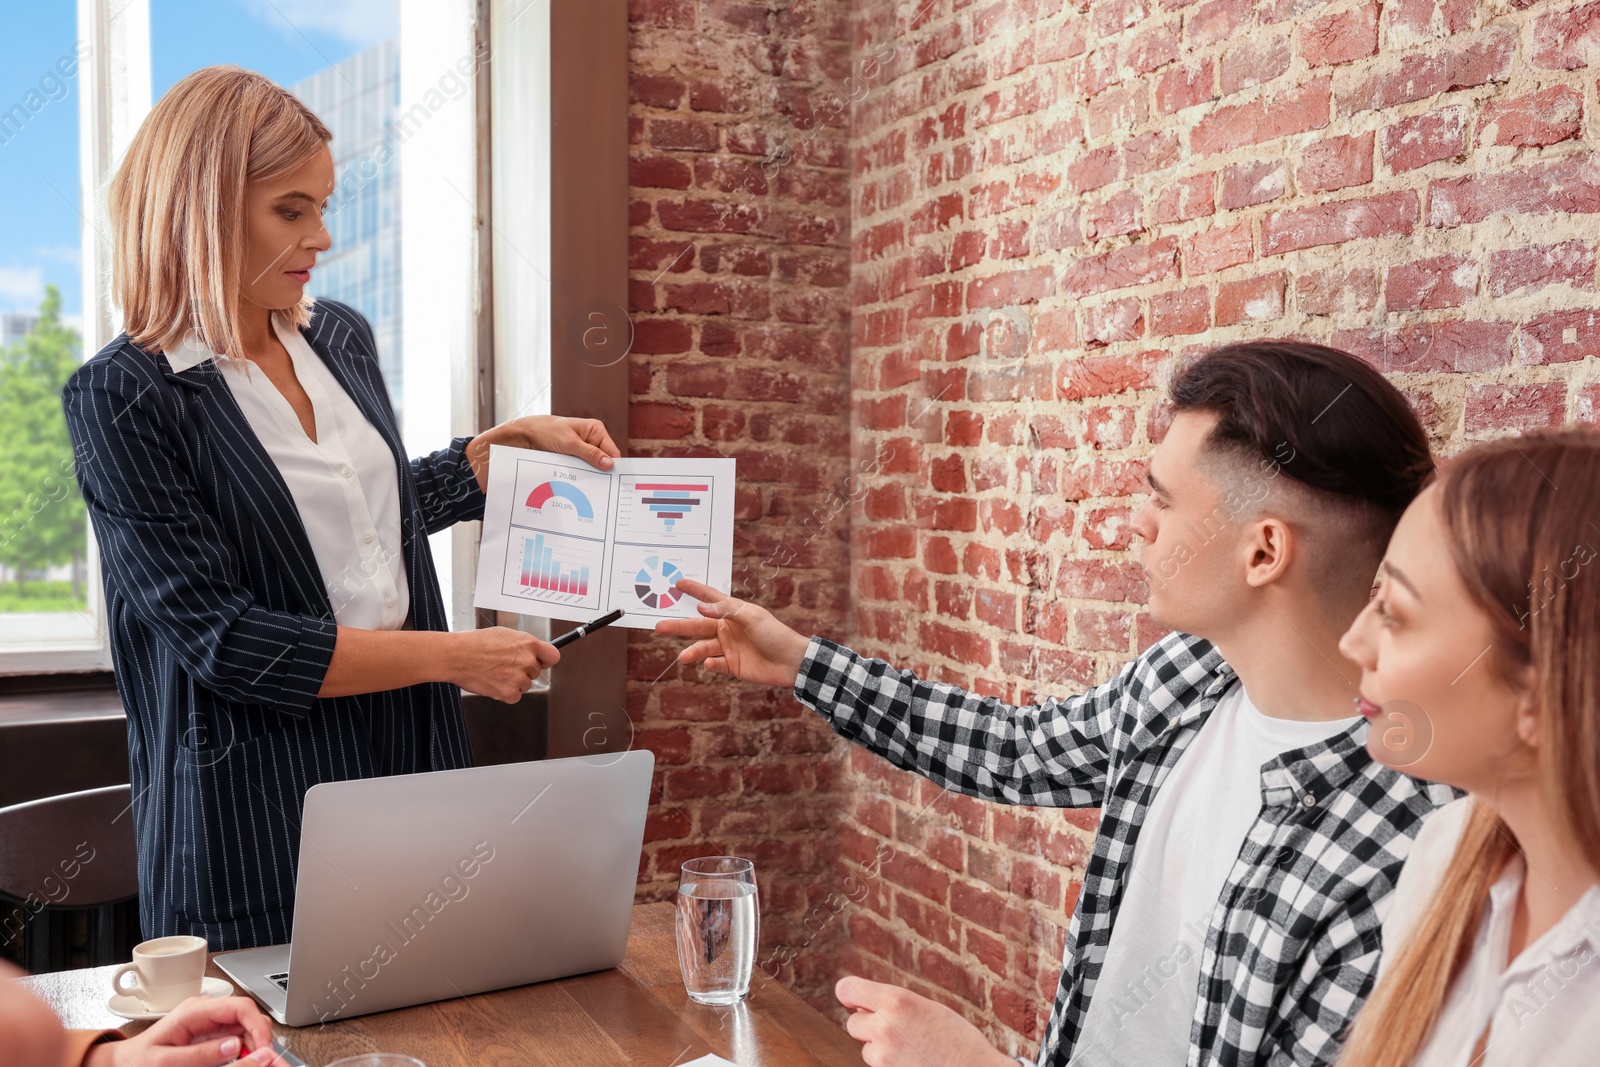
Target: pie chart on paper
x: 654, y: 583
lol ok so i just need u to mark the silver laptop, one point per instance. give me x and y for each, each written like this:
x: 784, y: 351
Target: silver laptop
x: 424, y: 887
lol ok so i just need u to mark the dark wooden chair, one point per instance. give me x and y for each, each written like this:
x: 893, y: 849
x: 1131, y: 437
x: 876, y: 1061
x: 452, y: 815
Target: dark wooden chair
x: 63, y: 859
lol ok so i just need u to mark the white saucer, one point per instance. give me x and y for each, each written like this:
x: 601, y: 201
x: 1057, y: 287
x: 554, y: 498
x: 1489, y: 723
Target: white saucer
x: 128, y: 1007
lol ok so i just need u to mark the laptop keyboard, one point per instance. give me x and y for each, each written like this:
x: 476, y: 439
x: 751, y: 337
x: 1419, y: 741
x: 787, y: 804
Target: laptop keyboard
x: 280, y: 979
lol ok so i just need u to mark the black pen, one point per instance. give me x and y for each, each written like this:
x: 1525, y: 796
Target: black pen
x: 586, y: 629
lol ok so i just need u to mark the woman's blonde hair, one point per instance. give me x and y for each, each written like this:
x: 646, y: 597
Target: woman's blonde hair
x: 1517, y: 515
x: 177, y: 204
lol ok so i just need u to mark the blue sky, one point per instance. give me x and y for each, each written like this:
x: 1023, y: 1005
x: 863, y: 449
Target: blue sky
x: 287, y: 40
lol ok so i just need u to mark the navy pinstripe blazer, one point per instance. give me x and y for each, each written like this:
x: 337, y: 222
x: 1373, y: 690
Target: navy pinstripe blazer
x: 222, y: 629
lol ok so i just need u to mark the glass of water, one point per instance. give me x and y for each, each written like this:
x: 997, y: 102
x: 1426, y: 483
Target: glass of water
x: 718, y: 923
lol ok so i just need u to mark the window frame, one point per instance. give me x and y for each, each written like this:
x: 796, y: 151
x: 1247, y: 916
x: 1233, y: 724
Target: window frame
x: 588, y: 141
x: 583, y: 248
x: 113, y: 45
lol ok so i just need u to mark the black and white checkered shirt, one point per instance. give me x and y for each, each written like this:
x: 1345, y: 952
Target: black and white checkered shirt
x: 1293, y: 944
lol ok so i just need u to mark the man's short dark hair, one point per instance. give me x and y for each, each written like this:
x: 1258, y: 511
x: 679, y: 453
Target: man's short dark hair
x: 1330, y: 421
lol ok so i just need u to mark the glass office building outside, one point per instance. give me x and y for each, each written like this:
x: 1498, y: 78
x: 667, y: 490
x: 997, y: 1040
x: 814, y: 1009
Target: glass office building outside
x: 359, y: 99
x: 14, y: 326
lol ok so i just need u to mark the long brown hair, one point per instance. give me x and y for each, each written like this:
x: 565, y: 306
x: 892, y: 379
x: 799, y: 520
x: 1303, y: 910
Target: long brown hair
x: 177, y: 203
x: 1518, y: 515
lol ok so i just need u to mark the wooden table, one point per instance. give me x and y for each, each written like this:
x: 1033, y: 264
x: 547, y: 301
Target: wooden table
x: 637, y: 1014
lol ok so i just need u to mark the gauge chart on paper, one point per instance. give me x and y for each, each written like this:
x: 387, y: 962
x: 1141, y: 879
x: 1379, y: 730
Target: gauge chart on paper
x: 644, y: 579
x: 561, y: 499
x: 664, y: 511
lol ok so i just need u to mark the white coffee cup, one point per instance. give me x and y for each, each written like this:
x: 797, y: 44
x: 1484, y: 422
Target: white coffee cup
x: 166, y: 971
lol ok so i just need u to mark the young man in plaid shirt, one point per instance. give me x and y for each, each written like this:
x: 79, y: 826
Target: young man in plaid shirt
x: 1248, y: 841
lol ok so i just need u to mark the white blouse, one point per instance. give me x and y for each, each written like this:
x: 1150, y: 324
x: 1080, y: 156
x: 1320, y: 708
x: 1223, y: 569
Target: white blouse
x: 345, y: 483
x: 1542, y: 1007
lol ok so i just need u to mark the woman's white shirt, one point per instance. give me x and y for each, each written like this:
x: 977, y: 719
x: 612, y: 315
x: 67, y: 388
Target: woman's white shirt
x: 1543, y: 1007
x: 345, y: 483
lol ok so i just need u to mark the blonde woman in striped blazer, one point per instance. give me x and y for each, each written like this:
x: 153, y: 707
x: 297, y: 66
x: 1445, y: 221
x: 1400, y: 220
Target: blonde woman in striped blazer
x: 274, y: 614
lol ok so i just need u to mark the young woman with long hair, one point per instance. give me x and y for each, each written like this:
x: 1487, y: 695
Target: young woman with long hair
x: 1483, y: 641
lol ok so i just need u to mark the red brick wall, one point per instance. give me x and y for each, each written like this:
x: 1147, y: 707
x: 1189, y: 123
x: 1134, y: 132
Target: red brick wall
x: 1045, y: 199
x: 1053, y: 196
x: 739, y: 262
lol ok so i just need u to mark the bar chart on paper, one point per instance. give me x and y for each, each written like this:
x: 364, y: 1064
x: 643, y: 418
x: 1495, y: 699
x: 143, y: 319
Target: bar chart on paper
x: 559, y: 570
x: 567, y: 541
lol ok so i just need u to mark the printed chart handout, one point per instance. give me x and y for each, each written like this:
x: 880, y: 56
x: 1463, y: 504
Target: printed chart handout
x: 563, y: 540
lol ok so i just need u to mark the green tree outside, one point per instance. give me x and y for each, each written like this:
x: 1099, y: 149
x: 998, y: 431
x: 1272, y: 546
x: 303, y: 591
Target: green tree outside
x: 41, y: 512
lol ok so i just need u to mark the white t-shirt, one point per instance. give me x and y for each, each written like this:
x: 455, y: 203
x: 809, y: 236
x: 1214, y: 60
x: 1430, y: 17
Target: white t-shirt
x: 1144, y: 1001
x: 1542, y: 1004
x: 345, y: 484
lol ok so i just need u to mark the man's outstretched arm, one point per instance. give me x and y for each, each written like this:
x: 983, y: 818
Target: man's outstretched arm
x: 1054, y: 754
